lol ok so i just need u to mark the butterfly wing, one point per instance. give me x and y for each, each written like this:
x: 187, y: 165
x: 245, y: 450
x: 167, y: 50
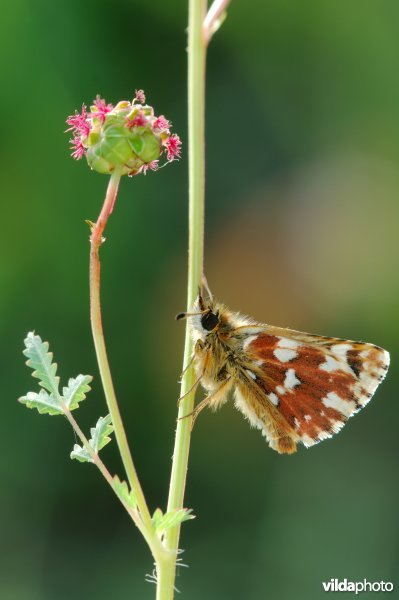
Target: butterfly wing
x: 298, y: 387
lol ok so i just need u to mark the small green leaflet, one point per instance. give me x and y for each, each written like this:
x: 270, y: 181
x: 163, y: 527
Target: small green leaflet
x: 162, y: 522
x: 41, y: 361
x: 100, y: 433
x: 76, y: 390
x: 99, y: 438
x: 51, y: 402
x: 44, y: 402
x: 122, y: 489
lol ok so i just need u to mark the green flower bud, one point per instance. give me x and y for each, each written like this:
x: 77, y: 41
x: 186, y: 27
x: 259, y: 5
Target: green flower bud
x: 128, y: 137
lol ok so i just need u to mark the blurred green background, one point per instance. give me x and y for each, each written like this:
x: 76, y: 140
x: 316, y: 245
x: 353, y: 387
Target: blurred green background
x: 301, y: 231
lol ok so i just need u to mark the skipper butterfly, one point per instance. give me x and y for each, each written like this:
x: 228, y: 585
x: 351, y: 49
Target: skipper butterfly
x: 293, y: 386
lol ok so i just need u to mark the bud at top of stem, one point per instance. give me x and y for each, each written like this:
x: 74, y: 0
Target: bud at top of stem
x: 128, y: 136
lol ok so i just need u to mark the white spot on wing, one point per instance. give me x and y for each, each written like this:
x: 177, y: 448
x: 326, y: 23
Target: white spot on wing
x: 291, y: 380
x: 387, y: 359
x: 371, y: 376
x: 330, y: 365
x: 345, y: 407
x: 273, y: 398
x: 280, y: 389
x: 336, y: 364
x: 307, y: 418
x: 287, y: 343
x: 297, y: 423
x: 284, y: 354
x: 248, y: 340
x: 250, y: 373
x: 341, y: 349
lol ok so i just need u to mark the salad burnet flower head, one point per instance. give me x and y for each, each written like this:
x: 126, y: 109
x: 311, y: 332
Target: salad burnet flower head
x: 127, y: 136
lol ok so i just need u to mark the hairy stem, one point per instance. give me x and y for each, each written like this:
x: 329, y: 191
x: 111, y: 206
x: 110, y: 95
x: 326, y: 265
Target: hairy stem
x: 196, y: 113
x: 96, y: 240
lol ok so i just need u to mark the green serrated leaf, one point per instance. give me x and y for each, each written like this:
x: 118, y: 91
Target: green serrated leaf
x: 44, y: 402
x: 76, y: 390
x: 122, y: 489
x: 79, y: 453
x: 170, y: 519
x: 41, y: 361
x: 100, y: 433
x: 99, y: 438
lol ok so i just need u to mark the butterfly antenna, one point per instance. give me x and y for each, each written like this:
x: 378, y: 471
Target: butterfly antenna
x: 204, y: 283
x: 184, y: 315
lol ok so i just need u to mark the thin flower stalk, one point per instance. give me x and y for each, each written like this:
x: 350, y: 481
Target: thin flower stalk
x: 96, y: 240
x: 144, y: 522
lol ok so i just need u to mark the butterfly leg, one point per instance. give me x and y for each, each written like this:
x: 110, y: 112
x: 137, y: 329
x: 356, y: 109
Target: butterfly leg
x: 198, y: 351
x: 214, y: 400
x: 192, y: 388
x: 187, y: 367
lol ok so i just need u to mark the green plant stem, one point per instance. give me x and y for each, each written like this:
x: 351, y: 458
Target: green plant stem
x: 96, y: 240
x: 166, y: 571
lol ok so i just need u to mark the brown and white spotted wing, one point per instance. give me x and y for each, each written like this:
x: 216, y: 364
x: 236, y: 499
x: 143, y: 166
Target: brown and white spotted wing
x: 315, y: 383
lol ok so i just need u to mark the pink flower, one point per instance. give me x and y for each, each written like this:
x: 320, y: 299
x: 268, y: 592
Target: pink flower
x: 102, y: 108
x: 162, y: 123
x: 140, y: 96
x: 93, y: 136
x: 173, y: 146
x: 153, y: 165
x: 78, y: 123
x: 138, y: 121
x: 77, y: 147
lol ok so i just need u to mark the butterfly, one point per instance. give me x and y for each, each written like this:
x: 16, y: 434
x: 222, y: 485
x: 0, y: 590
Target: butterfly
x: 295, y: 387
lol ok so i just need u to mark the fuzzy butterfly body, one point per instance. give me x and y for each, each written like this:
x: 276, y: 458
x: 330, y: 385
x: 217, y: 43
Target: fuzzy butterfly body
x: 293, y: 386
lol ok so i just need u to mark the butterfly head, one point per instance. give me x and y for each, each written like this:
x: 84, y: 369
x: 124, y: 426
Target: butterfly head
x: 207, y: 318
x: 204, y: 317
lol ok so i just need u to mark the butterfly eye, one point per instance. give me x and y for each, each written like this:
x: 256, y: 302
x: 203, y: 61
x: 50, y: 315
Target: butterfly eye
x: 209, y: 321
